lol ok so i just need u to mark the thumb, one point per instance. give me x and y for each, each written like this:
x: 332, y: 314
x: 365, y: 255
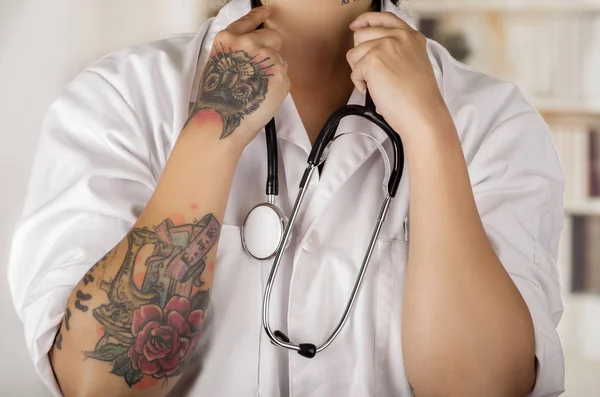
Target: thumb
x: 249, y: 22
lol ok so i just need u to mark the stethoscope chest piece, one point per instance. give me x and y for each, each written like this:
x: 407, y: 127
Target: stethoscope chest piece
x: 262, y: 231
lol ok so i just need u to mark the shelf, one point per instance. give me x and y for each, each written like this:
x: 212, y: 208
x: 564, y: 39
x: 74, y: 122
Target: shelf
x: 504, y: 6
x: 570, y: 113
x: 584, y: 207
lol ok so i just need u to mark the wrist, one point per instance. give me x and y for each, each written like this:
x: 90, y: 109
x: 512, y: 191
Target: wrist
x: 435, y: 126
x: 206, y: 135
x: 208, y: 123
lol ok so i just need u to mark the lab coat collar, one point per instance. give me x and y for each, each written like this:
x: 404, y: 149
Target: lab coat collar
x: 346, y: 155
x: 289, y: 124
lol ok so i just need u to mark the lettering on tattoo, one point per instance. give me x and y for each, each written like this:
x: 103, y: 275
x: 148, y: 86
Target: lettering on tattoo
x: 151, y: 325
x: 234, y: 85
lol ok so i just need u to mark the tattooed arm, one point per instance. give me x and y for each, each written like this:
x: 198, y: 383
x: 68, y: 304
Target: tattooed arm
x: 134, y: 319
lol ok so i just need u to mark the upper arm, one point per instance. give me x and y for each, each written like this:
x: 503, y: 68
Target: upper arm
x: 518, y: 186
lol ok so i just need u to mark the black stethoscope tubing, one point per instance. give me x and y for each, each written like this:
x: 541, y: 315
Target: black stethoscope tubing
x: 328, y: 132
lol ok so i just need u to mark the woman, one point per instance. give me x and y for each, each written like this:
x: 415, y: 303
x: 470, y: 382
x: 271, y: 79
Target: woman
x: 175, y: 307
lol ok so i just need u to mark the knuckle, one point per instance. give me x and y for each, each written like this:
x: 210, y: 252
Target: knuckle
x: 420, y: 37
x: 350, y: 55
x: 374, y: 60
x: 403, y: 34
x: 245, y: 41
x: 224, y: 36
x: 389, y: 43
x: 358, y: 35
x: 270, y: 53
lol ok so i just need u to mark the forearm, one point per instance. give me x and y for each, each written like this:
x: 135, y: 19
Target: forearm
x: 139, y: 311
x: 466, y: 329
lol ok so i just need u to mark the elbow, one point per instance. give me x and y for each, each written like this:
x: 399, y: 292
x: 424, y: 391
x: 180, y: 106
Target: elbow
x: 458, y: 379
x: 494, y: 364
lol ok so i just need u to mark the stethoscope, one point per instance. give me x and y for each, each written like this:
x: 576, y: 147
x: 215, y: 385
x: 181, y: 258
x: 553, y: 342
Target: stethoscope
x: 266, y: 231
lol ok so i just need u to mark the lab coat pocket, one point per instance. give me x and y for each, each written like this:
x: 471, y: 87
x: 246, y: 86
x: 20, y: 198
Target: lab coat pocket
x: 390, y: 377
x: 234, y: 320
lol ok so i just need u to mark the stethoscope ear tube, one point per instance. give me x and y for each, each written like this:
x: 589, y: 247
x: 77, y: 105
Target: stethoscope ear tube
x: 370, y: 113
x: 272, y: 188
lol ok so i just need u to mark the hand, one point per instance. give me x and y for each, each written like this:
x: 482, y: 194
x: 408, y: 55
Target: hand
x: 245, y: 79
x: 390, y: 57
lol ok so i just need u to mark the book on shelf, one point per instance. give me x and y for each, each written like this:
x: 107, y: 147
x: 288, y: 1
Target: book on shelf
x: 585, y: 254
x: 594, y: 163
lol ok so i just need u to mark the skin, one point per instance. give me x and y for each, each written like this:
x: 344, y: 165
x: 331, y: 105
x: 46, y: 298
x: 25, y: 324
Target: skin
x: 80, y: 359
x: 461, y: 308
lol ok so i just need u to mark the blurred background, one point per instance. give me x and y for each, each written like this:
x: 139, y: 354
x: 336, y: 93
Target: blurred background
x: 550, y: 48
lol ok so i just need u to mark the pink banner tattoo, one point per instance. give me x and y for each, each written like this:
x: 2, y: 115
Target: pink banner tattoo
x: 181, y: 268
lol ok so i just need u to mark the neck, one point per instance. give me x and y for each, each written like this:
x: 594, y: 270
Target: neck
x: 315, y: 37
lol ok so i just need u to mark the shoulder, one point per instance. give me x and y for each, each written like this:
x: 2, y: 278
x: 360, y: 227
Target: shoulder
x: 497, y: 126
x: 147, y: 85
x: 134, y: 100
x: 476, y: 98
x: 168, y: 58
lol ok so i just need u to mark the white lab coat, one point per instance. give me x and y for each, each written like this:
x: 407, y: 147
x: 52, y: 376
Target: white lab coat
x: 107, y: 138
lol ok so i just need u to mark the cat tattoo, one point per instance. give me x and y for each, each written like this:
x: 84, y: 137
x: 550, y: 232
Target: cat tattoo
x: 234, y: 84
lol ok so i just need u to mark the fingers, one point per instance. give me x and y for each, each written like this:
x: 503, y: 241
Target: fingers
x: 250, y: 21
x: 382, y: 19
x: 358, y: 58
x: 371, y: 33
x: 357, y: 53
x: 358, y: 78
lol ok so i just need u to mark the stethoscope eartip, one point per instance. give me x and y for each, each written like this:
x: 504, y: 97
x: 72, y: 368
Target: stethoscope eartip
x: 307, y: 350
x: 281, y: 336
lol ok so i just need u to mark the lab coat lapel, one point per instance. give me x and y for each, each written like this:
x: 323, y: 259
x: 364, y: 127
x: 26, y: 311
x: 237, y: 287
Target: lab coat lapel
x: 346, y: 155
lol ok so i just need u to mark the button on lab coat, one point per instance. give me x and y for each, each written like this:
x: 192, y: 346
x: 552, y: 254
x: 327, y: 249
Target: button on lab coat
x: 107, y: 138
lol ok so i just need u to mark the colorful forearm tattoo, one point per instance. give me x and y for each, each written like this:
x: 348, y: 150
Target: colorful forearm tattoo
x: 157, y: 301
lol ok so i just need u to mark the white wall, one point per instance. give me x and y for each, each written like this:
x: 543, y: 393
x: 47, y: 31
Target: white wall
x: 43, y: 44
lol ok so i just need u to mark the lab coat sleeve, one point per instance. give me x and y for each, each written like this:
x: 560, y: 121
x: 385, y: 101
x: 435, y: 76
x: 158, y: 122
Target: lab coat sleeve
x: 519, y: 187
x: 91, y: 178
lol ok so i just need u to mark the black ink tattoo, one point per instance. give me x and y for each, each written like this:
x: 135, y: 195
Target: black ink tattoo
x: 81, y: 307
x: 234, y: 84
x: 88, y: 278
x: 58, y: 342
x: 151, y: 326
x: 83, y: 297
x: 67, y: 318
